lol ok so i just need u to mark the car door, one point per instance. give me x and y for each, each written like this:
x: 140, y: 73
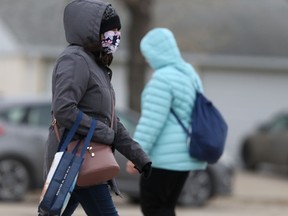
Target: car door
x: 37, y: 123
x: 27, y: 123
x: 278, y: 146
x: 26, y: 131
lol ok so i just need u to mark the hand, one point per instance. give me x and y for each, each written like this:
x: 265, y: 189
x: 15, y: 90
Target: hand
x: 130, y: 168
x: 146, y: 170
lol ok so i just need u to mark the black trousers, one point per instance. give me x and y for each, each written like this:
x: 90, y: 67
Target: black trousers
x: 159, y: 193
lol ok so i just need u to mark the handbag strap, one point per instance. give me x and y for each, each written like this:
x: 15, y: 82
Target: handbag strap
x: 113, y: 114
x: 88, y: 137
x: 56, y: 129
x: 64, y: 143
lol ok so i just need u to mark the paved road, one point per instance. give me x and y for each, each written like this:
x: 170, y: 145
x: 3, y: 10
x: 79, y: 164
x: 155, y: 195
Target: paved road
x: 262, y: 194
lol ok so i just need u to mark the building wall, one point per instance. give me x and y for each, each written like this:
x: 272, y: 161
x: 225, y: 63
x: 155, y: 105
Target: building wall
x: 246, y: 98
x: 22, y: 76
x: 11, y: 69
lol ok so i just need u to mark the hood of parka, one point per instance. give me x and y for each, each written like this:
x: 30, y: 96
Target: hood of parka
x: 82, y: 21
x: 160, y: 49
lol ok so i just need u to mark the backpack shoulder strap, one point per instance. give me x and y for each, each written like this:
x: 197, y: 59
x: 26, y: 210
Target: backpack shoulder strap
x: 179, y: 121
x: 199, y: 89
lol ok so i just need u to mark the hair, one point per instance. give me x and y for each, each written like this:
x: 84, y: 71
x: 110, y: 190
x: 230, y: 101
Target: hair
x: 101, y: 57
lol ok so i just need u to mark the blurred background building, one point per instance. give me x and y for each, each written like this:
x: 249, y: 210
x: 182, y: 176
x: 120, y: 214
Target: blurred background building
x: 239, y: 48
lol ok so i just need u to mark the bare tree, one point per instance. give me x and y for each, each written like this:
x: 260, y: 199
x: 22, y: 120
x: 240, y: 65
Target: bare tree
x: 140, y: 21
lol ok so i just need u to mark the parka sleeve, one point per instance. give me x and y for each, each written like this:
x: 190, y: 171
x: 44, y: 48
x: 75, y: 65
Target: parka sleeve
x: 129, y: 148
x: 155, y: 107
x: 70, y: 84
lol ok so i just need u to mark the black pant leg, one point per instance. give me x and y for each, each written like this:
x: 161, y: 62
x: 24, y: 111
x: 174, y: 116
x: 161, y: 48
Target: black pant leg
x: 159, y: 193
x: 71, y: 206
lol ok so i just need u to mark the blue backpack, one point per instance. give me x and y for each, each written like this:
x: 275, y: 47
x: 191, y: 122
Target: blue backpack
x: 209, y: 130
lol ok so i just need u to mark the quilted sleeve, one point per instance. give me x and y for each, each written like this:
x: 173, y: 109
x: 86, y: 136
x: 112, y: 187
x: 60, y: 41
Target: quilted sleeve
x: 155, y: 107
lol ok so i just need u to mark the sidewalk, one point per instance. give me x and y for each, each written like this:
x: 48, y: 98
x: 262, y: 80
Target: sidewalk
x: 254, y: 194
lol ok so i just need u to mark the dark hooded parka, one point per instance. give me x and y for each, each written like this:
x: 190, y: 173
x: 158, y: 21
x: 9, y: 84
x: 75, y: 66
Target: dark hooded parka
x: 79, y: 83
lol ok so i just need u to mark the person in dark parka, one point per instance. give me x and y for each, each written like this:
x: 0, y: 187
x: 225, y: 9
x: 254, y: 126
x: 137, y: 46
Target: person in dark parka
x: 82, y: 81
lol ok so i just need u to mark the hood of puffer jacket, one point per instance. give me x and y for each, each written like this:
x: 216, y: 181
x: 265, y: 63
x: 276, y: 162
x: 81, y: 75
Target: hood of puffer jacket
x: 160, y: 48
x: 82, y: 21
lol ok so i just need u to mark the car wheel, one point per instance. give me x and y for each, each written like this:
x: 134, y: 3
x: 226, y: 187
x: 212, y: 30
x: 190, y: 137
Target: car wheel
x: 247, y: 158
x: 197, y: 189
x: 14, y: 181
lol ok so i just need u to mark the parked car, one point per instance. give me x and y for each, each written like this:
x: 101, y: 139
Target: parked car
x: 267, y: 145
x: 23, y: 131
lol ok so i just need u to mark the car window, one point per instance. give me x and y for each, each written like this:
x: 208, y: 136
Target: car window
x: 129, y: 125
x: 39, y: 115
x: 14, y: 115
x: 280, y: 124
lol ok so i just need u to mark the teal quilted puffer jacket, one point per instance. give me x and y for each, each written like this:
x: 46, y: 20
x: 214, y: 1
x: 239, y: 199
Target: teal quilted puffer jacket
x: 172, y: 84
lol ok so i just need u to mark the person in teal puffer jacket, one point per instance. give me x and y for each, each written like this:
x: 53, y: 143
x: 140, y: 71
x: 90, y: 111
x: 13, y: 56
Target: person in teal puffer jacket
x: 173, y: 84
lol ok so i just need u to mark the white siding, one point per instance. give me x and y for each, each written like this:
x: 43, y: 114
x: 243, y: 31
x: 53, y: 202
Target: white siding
x: 8, y: 41
x: 246, y: 98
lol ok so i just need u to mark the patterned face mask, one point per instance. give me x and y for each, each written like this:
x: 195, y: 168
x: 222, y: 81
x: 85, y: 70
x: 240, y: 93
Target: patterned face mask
x: 111, y: 41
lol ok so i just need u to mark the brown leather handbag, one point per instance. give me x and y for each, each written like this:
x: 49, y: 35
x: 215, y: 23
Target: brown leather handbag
x: 99, y: 163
